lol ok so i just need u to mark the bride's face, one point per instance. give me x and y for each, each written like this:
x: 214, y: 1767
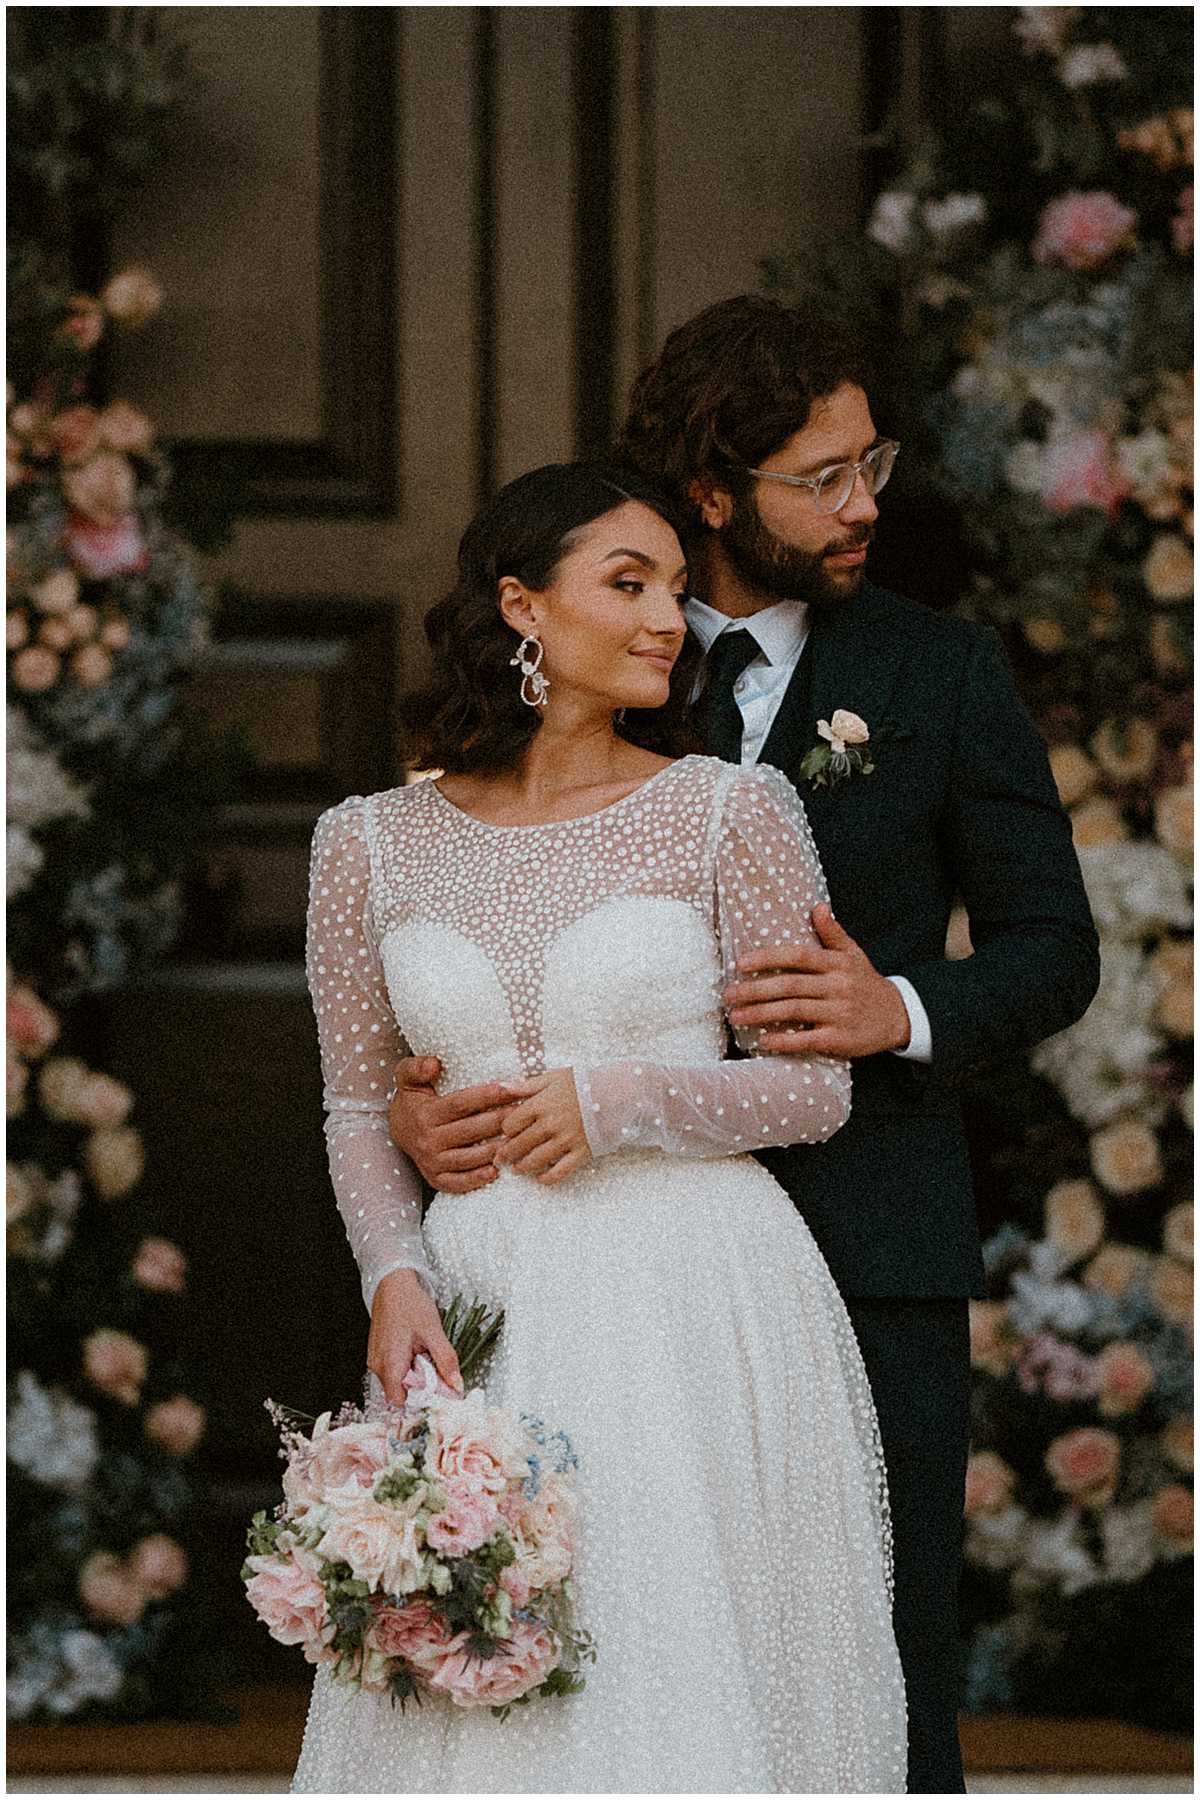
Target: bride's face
x: 610, y: 619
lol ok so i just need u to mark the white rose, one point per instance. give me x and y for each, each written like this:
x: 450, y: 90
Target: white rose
x: 1088, y: 64
x: 892, y: 221
x: 954, y: 213
x: 114, y: 1160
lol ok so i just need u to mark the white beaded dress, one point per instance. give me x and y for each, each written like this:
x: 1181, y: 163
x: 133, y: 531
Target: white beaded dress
x: 666, y: 1306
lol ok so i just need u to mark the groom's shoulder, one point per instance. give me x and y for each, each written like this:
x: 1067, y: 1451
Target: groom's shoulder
x: 909, y: 619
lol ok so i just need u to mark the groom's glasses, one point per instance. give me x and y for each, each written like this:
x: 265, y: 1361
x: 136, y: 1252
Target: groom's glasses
x: 834, y: 485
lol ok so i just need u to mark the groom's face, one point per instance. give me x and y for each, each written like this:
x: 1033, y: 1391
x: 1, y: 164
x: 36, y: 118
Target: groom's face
x: 777, y: 541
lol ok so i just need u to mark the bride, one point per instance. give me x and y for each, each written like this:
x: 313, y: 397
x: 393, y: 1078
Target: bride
x: 558, y: 912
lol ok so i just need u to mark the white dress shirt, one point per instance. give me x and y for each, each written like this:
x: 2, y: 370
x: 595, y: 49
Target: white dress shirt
x: 781, y: 632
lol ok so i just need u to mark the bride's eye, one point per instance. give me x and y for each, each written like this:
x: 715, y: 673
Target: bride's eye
x: 628, y: 584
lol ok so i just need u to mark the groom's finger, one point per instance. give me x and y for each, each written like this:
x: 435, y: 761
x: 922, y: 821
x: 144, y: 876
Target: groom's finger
x: 829, y: 931
x: 475, y: 1129
x: 766, y: 988
x: 809, y: 959
x: 463, y: 1102
x: 807, y: 1010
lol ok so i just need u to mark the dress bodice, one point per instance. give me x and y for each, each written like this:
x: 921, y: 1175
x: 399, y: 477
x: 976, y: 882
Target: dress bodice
x: 508, y: 950
x: 599, y: 943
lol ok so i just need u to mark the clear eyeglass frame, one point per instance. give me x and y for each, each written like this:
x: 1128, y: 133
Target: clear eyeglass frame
x: 834, y: 485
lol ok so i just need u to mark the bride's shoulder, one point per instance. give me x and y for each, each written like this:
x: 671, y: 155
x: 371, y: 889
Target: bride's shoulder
x: 357, y: 818
x: 735, y: 783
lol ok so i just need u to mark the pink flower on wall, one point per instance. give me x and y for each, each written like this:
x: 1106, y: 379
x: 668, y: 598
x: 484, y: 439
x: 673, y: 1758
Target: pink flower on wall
x: 1081, y: 231
x: 1080, y: 469
x: 103, y: 551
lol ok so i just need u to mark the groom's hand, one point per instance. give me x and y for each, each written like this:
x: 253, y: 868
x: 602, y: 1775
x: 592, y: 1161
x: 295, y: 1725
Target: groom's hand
x: 825, y: 999
x: 450, y: 1137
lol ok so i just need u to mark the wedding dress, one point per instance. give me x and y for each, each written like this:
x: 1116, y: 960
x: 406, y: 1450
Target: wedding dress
x: 666, y: 1306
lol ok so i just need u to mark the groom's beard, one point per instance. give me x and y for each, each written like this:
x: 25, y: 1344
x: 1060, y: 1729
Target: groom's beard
x: 774, y: 567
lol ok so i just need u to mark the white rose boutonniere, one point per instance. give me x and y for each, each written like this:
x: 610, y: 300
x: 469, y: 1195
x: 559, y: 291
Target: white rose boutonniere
x: 846, y: 750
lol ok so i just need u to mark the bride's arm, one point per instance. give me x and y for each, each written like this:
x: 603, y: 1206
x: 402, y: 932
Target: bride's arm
x: 377, y: 1189
x: 768, y: 878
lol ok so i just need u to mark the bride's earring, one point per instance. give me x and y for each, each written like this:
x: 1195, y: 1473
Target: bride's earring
x: 534, y: 685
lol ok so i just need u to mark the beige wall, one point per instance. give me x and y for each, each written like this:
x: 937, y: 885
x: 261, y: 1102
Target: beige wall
x: 735, y: 130
x: 747, y: 131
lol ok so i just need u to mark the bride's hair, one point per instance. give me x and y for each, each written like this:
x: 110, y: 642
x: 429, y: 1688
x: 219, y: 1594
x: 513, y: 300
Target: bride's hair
x: 470, y: 714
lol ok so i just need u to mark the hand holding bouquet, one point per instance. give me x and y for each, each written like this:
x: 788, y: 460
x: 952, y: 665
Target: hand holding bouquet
x: 426, y: 1549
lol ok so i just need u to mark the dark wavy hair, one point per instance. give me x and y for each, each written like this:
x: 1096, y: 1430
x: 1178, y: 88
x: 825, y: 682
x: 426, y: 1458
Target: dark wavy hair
x: 730, y: 387
x: 470, y: 714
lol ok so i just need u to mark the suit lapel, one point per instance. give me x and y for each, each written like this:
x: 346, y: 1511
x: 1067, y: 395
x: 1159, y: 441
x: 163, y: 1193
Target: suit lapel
x: 851, y: 664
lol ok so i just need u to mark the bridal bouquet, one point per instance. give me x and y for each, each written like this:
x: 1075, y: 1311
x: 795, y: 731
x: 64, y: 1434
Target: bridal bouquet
x: 426, y: 1549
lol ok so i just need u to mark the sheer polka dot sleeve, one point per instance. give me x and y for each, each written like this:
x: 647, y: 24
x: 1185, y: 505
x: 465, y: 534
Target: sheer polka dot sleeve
x: 767, y: 880
x: 377, y: 1190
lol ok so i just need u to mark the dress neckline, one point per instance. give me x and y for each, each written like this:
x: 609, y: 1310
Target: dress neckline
x: 601, y: 812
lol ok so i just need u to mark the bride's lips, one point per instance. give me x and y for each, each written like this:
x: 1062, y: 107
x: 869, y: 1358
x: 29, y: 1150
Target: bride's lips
x: 655, y: 656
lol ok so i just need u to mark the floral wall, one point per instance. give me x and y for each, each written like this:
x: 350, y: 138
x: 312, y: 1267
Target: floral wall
x: 1030, y: 272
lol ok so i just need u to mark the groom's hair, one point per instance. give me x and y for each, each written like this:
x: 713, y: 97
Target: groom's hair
x: 730, y: 387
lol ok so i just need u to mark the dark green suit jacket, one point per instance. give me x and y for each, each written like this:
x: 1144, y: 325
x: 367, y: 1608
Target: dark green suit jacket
x: 962, y: 803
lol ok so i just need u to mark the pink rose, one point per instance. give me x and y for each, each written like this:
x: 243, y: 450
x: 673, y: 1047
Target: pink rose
x: 175, y: 1425
x: 546, y: 1536
x: 102, y: 551
x: 342, y: 1454
x: 380, y: 1543
x: 16, y: 629
x: 1084, y: 1464
x: 123, y: 427
x: 1126, y: 1377
x: 56, y: 634
x: 1174, y: 1514
x: 84, y: 325
x: 31, y: 1026
x: 288, y: 1597
x: 101, y: 1100
x: 1082, y: 230
x: 160, y: 1266
x: 416, y: 1631
x: 57, y: 592
x: 91, y: 666
x: 521, y: 1663
x: 989, y: 1483
x: 515, y: 1585
x: 133, y: 296
x: 1062, y: 1371
x: 110, y: 1591
x: 115, y: 634
x: 116, y: 1364
x: 102, y: 489
x: 471, y: 1447
x: 74, y: 433
x: 1182, y: 227
x: 467, y: 1522
x: 35, y: 669
x: 1081, y: 470
x: 159, y: 1565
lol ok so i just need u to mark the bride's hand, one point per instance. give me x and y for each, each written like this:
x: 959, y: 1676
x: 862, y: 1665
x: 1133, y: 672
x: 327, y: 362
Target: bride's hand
x: 405, y: 1321
x: 544, y: 1134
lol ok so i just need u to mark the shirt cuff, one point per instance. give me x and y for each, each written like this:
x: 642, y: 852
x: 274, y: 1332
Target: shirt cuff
x: 919, y: 1047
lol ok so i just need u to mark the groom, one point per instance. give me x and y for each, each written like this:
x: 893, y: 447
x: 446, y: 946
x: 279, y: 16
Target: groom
x: 756, y: 417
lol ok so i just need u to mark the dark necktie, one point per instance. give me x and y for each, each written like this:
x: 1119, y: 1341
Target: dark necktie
x: 729, y: 656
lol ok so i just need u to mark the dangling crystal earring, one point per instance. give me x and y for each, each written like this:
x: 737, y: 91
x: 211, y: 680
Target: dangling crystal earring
x: 533, y: 683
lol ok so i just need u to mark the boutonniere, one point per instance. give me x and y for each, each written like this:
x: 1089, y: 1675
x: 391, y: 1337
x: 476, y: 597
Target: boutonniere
x: 846, y: 750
